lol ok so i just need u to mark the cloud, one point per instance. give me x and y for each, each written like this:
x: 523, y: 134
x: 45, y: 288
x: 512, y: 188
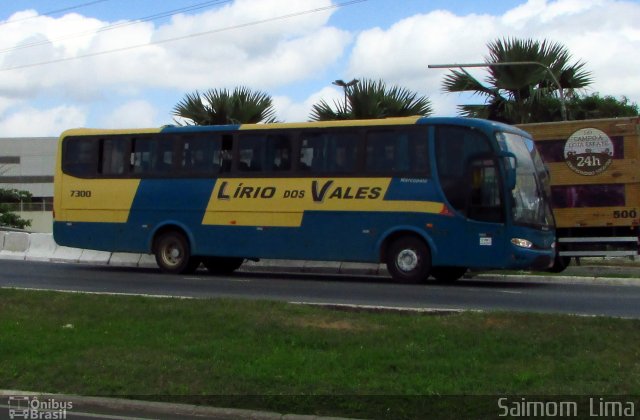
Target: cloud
x: 133, y: 114
x: 34, y: 122
x: 264, y: 44
x: 290, y: 111
x: 602, y: 33
x: 278, y: 45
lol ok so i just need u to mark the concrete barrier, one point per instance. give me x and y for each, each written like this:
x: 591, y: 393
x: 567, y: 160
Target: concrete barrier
x: 321, y: 267
x: 66, y: 254
x: 41, y: 247
x: 90, y: 256
x: 15, y: 245
x: 147, y: 261
x: 355, y: 268
x: 124, y: 259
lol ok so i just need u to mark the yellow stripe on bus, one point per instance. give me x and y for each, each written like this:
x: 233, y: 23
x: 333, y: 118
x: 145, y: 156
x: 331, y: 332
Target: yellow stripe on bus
x: 97, y: 200
x: 326, y: 124
x: 254, y: 218
x: 282, y: 202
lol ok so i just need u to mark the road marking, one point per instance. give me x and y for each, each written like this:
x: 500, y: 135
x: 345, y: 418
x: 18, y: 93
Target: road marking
x: 50, y: 414
x: 381, y: 308
x: 218, y: 279
x: 37, y: 289
x: 512, y: 292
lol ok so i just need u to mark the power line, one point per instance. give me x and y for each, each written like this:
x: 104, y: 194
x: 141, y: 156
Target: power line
x: 180, y: 38
x: 135, y: 21
x: 53, y: 12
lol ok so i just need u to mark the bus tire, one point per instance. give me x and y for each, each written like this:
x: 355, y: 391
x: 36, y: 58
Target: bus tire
x: 559, y: 264
x: 173, y: 253
x: 222, y: 265
x: 408, y: 260
x: 448, y: 274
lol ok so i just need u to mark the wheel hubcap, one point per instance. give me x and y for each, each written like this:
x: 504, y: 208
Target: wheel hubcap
x: 173, y: 254
x: 407, y: 260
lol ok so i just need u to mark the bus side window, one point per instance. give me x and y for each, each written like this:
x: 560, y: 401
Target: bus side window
x: 113, y: 155
x: 343, y: 152
x: 264, y: 152
x: 80, y: 156
x: 249, y: 151
x: 201, y: 155
x: 140, y: 156
x: 419, y: 153
x: 456, y: 151
x: 225, y: 155
x: 329, y: 152
x: 485, y: 202
x: 387, y: 151
x: 311, y: 153
x: 280, y: 146
x: 151, y: 156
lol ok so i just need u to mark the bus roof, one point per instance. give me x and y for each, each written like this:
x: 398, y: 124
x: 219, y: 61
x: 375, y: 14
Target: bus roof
x: 414, y: 120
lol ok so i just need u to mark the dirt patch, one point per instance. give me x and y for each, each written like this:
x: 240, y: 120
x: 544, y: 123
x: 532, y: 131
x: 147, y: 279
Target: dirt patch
x: 336, y: 325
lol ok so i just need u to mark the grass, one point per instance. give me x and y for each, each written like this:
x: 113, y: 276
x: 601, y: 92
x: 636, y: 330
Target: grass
x: 300, y: 359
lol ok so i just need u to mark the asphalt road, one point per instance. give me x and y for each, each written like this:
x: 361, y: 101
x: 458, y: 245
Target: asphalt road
x: 511, y: 294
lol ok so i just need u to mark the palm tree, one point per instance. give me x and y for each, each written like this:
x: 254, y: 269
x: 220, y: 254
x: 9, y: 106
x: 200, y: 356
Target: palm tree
x: 219, y: 106
x: 372, y: 99
x: 518, y: 94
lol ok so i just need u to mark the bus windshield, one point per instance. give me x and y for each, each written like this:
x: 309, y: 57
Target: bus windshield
x: 531, y: 193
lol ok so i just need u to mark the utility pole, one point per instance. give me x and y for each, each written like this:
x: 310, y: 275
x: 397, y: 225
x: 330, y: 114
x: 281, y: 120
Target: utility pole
x: 345, y: 85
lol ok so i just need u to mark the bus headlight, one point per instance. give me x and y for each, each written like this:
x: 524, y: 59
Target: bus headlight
x: 522, y: 243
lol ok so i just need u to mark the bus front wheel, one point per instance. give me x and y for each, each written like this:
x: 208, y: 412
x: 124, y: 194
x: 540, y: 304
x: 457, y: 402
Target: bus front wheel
x: 173, y: 253
x: 559, y: 264
x: 408, y: 260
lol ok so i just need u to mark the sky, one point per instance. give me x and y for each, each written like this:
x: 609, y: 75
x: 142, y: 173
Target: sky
x: 127, y: 63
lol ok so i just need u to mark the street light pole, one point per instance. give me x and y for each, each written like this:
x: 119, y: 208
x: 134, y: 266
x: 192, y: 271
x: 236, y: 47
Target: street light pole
x: 345, y: 85
x: 563, y: 106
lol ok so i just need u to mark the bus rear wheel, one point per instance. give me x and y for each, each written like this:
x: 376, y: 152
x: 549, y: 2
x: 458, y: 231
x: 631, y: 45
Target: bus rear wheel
x: 173, y: 253
x: 222, y: 265
x: 408, y: 260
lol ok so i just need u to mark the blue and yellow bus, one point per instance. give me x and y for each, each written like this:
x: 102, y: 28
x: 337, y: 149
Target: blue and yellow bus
x: 426, y: 196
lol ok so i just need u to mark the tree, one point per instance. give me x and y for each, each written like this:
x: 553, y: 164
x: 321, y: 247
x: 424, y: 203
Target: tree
x: 8, y: 198
x: 372, y: 99
x: 220, y: 106
x: 585, y: 107
x: 520, y: 93
x: 595, y: 106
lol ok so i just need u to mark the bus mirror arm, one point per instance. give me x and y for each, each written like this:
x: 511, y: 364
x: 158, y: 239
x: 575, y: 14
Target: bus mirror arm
x: 511, y: 163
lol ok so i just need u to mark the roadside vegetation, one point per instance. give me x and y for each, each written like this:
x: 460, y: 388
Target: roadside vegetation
x: 306, y: 360
x: 513, y: 94
x: 10, y: 200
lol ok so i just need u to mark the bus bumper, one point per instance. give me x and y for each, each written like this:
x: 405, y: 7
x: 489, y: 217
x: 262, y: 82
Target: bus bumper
x: 533, y: 259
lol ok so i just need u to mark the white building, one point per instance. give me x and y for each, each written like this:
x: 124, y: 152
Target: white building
x: 28, y: 164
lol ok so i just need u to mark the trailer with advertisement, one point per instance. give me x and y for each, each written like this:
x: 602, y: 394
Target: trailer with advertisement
x: 594, y: 167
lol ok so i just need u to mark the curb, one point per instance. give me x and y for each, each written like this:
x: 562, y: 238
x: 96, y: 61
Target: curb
x: 41, y: 247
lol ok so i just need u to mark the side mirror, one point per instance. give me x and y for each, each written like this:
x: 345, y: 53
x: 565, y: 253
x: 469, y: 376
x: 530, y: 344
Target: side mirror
x: 510, y: 165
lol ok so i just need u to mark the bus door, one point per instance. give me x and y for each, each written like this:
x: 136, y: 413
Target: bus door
x: 468, y: 176
x: 486, y: 241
